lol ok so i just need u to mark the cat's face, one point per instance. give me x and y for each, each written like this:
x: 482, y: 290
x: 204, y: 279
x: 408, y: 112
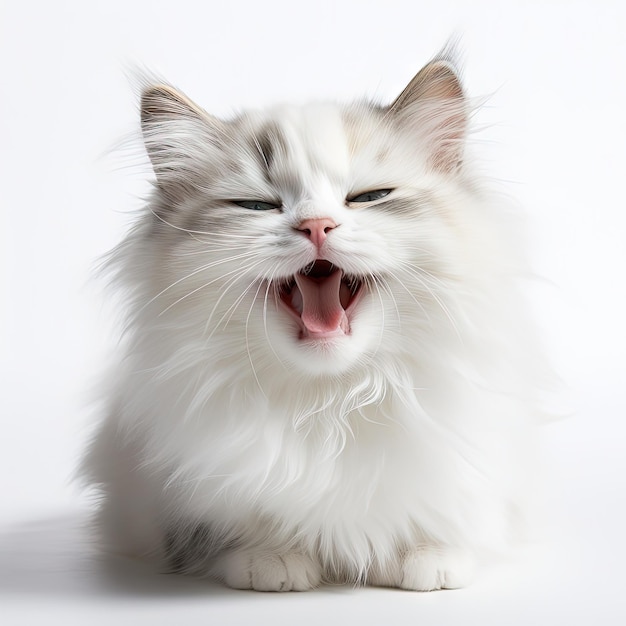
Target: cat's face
x: 314, y: 235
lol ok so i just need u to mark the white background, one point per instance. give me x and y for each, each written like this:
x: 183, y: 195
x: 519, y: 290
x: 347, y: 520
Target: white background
x: 555, y: 139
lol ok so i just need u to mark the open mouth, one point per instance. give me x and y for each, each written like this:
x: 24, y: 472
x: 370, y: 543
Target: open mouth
x: 322, y: 299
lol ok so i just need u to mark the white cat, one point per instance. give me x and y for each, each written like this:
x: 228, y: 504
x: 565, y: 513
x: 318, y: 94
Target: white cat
x: 328, y: 370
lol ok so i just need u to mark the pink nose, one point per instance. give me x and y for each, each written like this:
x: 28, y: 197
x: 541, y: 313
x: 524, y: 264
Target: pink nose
x: 317, y: 229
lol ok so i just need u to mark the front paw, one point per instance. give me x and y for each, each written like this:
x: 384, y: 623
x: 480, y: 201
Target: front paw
x: 291, y: 571
x: 426, y: 568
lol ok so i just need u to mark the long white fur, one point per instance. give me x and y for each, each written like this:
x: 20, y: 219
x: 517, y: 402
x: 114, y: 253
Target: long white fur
x: 391, y: 456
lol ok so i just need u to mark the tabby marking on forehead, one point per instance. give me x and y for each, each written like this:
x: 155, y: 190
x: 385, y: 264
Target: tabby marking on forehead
x: 268, y: 146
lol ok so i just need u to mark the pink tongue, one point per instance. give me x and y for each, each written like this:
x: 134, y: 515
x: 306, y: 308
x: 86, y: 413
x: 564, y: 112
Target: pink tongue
x: 321, y: 307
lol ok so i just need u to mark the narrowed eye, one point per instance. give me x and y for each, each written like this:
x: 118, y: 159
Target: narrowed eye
x: 370, y: 196
x: 257, y: 205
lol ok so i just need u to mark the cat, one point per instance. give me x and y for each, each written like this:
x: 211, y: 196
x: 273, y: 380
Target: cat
x: 328, y: 371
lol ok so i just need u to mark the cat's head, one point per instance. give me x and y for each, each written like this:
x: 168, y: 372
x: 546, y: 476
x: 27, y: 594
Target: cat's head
x: 317, y: 236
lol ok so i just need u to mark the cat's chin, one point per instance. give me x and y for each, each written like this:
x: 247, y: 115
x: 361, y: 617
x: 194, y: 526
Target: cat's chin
x: 325, y: 356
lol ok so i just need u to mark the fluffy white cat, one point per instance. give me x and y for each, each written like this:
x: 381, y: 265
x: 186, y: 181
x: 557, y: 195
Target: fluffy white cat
x: 328, y: 370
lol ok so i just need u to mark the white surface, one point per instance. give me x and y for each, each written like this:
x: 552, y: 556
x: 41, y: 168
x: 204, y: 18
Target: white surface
x: 556, y: 129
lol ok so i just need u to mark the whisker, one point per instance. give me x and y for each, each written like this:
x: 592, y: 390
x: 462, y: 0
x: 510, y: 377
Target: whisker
x: 382, y: 312
x: 385, y: 285
x: 412, y: 296
x: 210, y: 248
x: 436, y: 298
x: 235, y: 271
x: 202, y: 268
x: 233, y: 307
x: 254, y: 372
x: 184, y: 230
x: 225, y: 289
x: 270, y: 282
x: 191, y: 231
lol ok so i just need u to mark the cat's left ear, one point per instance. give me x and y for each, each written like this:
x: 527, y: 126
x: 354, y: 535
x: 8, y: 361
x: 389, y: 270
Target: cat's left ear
x: 434, y: 104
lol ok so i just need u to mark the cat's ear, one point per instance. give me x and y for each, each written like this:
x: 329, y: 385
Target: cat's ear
x: 434, y: 104
x: 179, y: 136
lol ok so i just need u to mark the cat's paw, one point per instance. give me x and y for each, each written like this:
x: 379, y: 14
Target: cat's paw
x: 292, y: 571
x: 430, y: 567
x: 427, y: 568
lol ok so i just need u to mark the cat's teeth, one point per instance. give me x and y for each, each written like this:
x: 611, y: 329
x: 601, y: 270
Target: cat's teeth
x: 296, y: 300
x: 309, y: 268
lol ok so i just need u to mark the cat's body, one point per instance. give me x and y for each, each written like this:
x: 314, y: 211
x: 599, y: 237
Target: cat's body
x: 278, y: 421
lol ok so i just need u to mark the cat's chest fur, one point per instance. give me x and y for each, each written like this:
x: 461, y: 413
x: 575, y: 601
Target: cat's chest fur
x: 346, y: 478
x: 356, y: 478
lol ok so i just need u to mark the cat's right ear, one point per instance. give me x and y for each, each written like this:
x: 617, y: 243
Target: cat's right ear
x: 433, y: 106
x: 178, y: 135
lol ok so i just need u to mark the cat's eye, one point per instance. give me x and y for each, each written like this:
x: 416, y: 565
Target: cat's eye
x: 370, y: 196
x: 257, y: 205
